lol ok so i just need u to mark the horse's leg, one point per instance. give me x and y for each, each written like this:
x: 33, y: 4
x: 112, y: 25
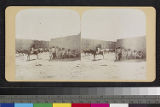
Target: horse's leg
x: 50, y: 57
x: 94, y: 55
x: 28, y: 57
x: 119, y: 57
x: 37, y: 56
x: 103, y: 55
x: 116, y: 56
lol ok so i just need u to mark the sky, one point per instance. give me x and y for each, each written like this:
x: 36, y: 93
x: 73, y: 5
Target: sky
x: 112, y: 24
x: 44, y: 24
x: 101, y: 24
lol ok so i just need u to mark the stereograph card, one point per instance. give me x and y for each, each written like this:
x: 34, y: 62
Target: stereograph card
x: 80, y: 44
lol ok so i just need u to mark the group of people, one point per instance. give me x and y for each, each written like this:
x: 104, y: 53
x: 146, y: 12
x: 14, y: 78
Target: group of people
x: 54, y: 52
x: 31, y: 50
x: 41, y: 50
x: 120, y: 53
x: 126, y: 54
x: 61, y: 53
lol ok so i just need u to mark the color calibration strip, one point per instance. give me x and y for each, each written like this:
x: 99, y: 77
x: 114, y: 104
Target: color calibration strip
x: 74, y: 105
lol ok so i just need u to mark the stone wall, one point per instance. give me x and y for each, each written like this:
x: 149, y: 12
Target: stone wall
x: 135, y: 43
x: 23, y: 43
x: 68, y: 42
x: 27, y: 43
x: 92, y: 44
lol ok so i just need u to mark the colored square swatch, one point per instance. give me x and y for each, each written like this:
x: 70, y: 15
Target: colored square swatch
x: 23, y: 105
x: 6, y: 105
x: 80, y: 105
x: 138, y: 105
x: 61, y: 104
x: 119, y: 105
x: 42, y: 105
x: 153, y: 105
x: 99, y: 105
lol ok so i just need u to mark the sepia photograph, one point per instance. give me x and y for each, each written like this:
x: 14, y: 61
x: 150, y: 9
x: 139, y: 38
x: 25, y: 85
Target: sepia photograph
x: 80, y: 44
x: 47, y: 44
x: 114, y: 44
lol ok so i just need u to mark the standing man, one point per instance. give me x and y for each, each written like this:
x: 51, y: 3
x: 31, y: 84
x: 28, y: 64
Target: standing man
x: 118, y: 53
x: 50, y: 54
x: 53, y: 52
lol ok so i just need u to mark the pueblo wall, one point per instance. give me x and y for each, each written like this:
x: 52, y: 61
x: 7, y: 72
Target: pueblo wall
x: 92, y: 44
x: 68, y: 42
x: 135, y: 43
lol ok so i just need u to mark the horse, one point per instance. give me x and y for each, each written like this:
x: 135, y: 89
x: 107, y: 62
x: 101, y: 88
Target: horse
x: 99, y: 52
x: 96, y: 52
x: 87, y: 51
x: 29, y: 52
x: 33, y: 52
x: 106, y: 50
x: 140, y: 55
x: 19, y: 52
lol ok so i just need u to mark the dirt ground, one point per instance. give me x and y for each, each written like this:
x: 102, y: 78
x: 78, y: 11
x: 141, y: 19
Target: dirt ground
x: 85, y: 69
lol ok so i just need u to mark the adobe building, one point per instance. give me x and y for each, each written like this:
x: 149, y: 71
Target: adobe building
x: 23, y: 44
x: 26, y: 44
x: 92, y: 44
x: 67, y: 42
x: 134, y: 43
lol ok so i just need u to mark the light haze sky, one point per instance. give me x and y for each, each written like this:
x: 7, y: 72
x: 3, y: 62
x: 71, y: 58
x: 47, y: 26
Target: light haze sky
x: 101, y: 24
x: 44, y: 24
x: 112, y: 24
